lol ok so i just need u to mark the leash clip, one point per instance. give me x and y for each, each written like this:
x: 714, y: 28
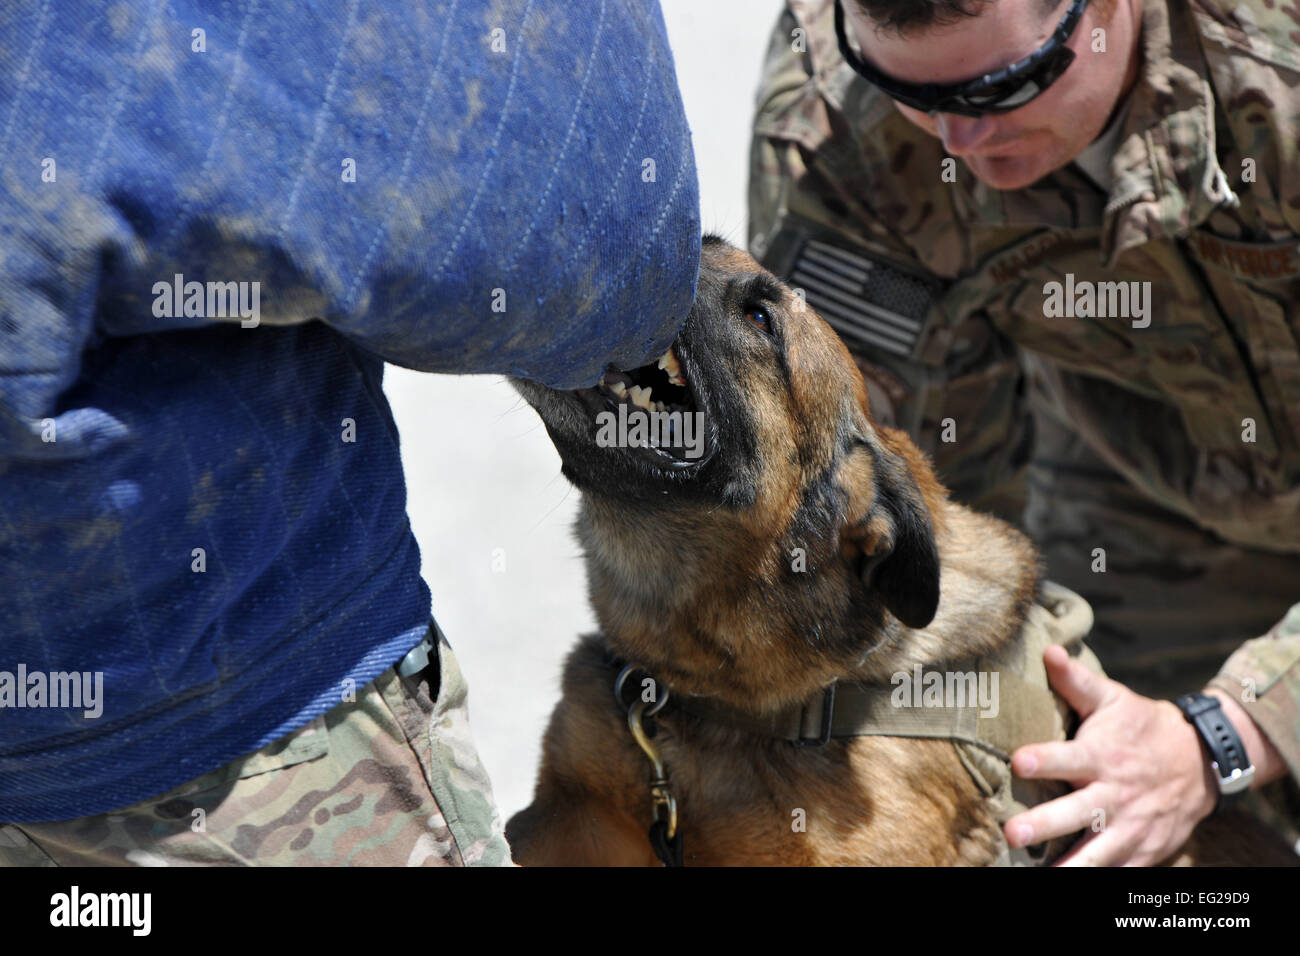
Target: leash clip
x: 662, y: 800
x: 664, y: 838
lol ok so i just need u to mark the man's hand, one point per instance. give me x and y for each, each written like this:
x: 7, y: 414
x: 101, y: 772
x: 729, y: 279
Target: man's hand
x: 1136, y: 760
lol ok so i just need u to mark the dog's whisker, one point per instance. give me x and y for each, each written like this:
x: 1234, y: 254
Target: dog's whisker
x: 552, y: 511
x: 517, y: 406
x: 536, y: 425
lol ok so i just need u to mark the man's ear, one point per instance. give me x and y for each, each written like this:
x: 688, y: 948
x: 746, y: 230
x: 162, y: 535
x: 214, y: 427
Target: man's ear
x: 893, y: 548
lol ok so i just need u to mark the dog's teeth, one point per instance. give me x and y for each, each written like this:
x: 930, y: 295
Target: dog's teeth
x: 659, y: 406
x: 640, y: 395
x: 668, y: 362
x: 619, y: 389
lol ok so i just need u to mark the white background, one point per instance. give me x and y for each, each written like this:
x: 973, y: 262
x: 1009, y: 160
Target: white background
x: 481, y: 473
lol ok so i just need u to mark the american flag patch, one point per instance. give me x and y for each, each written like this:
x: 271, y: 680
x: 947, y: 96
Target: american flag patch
x: 870, y: 303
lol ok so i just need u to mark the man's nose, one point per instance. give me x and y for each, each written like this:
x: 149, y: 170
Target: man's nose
x: 963, y: 135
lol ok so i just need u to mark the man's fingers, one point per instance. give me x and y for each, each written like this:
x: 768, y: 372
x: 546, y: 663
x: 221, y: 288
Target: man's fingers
x: 1097, y: 849
x: 1056, y: 818
x: 1063, y: 760
x: 1082, y: 689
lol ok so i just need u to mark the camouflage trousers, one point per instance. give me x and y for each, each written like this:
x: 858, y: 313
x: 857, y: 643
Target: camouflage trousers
x: 390, y: 779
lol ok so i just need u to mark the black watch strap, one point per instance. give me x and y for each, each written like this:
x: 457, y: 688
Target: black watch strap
x: 1232, y: 767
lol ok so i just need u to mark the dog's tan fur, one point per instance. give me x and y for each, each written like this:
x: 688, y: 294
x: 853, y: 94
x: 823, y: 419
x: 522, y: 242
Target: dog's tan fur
x: 699, y: 590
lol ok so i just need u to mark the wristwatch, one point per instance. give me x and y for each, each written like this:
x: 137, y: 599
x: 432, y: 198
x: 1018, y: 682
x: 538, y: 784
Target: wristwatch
x: 1232, y: 767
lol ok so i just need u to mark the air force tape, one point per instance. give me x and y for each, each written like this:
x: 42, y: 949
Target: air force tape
x: 1246, y: 260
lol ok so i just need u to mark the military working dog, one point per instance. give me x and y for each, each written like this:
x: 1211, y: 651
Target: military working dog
x: 794, y: 545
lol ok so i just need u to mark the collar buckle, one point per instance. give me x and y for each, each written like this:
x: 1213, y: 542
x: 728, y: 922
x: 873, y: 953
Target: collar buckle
x: 815, y: 721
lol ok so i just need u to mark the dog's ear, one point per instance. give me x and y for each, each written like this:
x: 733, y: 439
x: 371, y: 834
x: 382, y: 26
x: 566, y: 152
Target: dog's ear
x: 892, y: 548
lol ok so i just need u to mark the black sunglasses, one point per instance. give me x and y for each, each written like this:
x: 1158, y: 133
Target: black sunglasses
x: 1008, y: 89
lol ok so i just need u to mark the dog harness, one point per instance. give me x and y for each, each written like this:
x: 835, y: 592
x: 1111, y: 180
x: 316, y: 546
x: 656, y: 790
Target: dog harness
x: 1027, y: 711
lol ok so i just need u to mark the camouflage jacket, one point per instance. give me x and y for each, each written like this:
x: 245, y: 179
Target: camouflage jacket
x: 1196, y: 403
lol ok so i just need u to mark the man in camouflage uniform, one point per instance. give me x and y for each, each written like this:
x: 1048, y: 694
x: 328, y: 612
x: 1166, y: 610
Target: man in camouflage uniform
x: 1150, y: 446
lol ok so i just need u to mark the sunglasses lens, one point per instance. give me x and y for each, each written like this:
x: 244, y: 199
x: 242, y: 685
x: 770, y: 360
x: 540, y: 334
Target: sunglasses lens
x: 1015, y: 92
x: 1009, y: 98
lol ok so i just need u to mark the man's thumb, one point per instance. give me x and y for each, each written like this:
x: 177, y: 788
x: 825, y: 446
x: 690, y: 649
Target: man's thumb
x: 1083, y: 689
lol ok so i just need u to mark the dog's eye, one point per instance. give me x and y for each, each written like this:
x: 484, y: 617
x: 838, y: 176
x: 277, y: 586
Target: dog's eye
x: 759, y: 319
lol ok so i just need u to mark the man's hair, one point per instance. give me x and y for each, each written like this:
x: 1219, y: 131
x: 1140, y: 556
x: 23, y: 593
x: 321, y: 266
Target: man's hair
x: 916, y: 16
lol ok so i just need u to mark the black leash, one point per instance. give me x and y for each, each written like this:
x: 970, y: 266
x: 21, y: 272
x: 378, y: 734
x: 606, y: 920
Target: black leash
x: 669, y: 850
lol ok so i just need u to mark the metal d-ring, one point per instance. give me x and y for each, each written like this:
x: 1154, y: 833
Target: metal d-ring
x: 661, y: 692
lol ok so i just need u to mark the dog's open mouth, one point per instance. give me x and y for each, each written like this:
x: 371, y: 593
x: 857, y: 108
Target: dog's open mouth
x: 655, y: 388
x: 654, y: 412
